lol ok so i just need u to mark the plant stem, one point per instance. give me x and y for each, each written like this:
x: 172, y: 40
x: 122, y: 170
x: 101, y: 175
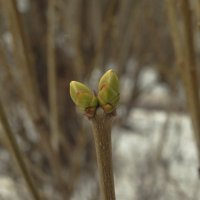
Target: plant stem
x: 22, y: 56
x: 52, y: 78
x: 102, y: 123
x: 17, y: 154
x: 186, y: 62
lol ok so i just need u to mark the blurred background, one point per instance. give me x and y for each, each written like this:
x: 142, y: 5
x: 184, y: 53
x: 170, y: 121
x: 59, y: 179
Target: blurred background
x: 153, y: 45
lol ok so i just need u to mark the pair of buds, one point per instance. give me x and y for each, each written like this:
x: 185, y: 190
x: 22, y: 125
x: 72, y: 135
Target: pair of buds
x: 107, y: 97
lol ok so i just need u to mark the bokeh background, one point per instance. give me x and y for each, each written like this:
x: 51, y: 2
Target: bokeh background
x: 153, y: 45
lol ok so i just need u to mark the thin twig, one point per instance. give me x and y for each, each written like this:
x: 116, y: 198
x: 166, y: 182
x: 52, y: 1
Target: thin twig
x: 21, y: 55
x: 102, y: 137
x: 17, y: 154
x: 104, y: 33
x: 41, y: 130
x: 51, y: 64
x: 198, y: 14
x: 190, y: 70
x: 186, y: 62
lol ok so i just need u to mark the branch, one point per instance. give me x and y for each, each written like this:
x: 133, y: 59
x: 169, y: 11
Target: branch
x: 101, y: 109
x: 186, y: 62
x: 22, y: 57
x: 101, y: 124
x: 17, y: 154
x: 51, y: 64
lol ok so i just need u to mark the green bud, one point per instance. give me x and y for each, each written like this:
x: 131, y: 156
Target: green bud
x: 83, y: 97
x: 108, y: 94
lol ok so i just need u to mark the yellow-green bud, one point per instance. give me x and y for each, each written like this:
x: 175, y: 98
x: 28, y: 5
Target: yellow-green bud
x: 108, y: 94
x: 83, y: 97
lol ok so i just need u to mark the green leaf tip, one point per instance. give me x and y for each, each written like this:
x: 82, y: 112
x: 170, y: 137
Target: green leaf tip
x: 108, y: 95
x: 83, y: 97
